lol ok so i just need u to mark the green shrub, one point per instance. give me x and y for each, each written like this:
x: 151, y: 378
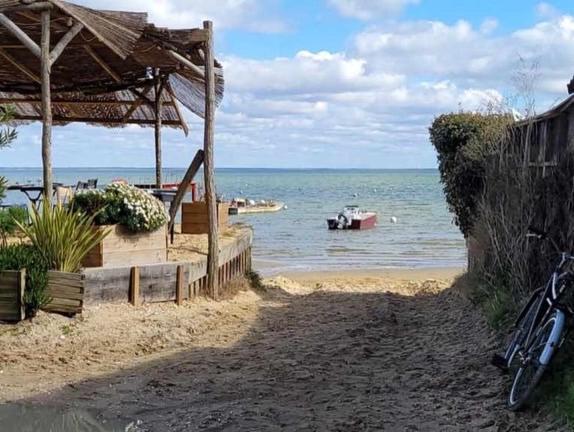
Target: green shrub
x: 62, y: 236
x: 463, y: 142
x: 18, y: 257
x: 121, y: 204
x: 9, y: 219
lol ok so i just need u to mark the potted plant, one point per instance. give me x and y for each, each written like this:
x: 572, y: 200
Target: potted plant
x: 137, y: 222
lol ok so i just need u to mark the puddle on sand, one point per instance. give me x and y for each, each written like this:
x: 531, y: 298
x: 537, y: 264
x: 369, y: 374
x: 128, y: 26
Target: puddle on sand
x: 27, y: 418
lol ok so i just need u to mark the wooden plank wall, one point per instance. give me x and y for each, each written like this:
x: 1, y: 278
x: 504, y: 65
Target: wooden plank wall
x: 66, y: 293
x: 159, y: 282
x: 12, y: 286
x: 194, y: 217
x: 121, y: 247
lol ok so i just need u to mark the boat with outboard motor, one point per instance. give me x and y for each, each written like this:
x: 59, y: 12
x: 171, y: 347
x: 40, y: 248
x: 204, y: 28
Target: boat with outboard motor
x: 352, y: 217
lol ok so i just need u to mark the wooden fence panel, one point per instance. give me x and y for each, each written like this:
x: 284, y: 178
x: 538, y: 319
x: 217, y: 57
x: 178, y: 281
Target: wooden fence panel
x: 12, y: 286
x: 66, y: 293
x: 159, y: 282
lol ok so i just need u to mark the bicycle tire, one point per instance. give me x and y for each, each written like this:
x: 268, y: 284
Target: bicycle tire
x: 529, y: 374
x: 521, y: 329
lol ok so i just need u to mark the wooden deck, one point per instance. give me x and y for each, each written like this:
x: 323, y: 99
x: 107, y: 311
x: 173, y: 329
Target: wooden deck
x: 173, y: 280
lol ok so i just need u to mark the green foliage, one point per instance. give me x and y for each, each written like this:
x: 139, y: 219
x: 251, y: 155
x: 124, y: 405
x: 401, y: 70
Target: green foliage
x: 122, y: 204
x: 463, y: 142
x: 3, y: 186
x: 255, y: 280
x: 8, y: 135
x: 499, y: 308
x: 18, y: 257
x: 9, y: 219
x: 63, y: 236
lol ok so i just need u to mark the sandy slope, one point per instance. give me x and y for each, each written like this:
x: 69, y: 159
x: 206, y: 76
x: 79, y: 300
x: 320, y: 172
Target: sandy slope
x: 355, y: 352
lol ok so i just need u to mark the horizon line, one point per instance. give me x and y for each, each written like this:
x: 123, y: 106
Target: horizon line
x: 225, y: 168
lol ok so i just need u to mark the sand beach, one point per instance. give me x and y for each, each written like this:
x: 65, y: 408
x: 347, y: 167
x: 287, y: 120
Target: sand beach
x: 390, y: 350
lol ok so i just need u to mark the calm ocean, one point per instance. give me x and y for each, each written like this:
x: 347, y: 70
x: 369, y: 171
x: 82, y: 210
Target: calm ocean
x: 297, y: 238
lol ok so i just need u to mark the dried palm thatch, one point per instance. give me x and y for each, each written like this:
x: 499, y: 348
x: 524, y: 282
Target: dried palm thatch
x: 104, y: 76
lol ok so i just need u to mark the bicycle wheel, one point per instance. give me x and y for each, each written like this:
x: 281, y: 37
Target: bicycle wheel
x: 521, y: 329
x: 532, y: 364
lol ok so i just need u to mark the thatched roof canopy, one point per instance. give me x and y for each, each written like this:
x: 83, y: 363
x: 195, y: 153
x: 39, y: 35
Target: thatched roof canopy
x: 106, y: 74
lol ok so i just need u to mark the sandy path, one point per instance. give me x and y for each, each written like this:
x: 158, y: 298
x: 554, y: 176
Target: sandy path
x: 363, y: 354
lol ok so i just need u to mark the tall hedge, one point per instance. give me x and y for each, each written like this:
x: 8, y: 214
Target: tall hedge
x: 463, y: 141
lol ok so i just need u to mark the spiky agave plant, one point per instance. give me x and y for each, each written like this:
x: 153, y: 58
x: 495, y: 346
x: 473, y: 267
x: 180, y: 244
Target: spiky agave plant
x: 63, y: 236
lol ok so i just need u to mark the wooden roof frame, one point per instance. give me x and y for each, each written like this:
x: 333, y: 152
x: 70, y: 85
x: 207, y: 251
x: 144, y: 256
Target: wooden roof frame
x: 120, y: 33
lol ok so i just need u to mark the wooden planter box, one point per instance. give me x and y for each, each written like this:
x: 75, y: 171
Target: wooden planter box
x: 66, y: 293
x: 194, y: 217
x: 123, y: 248
x: 12, y: 286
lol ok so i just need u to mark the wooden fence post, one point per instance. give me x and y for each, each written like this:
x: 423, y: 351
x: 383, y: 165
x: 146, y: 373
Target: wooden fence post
x: 135, y: 286
x: 21, y: 290
x: 179, y: 286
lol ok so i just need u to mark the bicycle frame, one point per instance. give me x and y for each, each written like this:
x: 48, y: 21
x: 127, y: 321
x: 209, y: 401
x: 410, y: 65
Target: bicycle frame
x: 552, y: 293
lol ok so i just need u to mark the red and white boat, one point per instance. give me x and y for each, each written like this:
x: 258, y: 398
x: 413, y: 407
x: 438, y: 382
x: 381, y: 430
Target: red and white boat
x: 353, y: 218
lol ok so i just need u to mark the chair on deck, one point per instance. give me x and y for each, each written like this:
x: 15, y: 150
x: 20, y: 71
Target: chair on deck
x: 90, y: 184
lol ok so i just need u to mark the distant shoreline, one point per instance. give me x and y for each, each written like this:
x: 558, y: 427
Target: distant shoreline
x: 271, y: 169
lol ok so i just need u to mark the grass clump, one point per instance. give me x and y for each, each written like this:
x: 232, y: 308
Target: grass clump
x: 255, y: 281
x: 9, y: 220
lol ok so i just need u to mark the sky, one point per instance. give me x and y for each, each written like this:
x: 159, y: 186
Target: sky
x: 339, y: 83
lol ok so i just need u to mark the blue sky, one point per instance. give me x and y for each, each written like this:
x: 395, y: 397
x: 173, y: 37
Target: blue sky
x: 338, y: 83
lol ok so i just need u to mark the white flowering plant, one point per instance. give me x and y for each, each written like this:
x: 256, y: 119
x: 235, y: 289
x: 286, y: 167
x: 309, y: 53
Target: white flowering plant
x: 134, y: 208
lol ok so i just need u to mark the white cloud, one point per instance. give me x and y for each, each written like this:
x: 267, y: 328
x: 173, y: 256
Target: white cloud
x: 547, y: 11
x: 370, y: 9
x: 371, y: 104
x: 226, y: 14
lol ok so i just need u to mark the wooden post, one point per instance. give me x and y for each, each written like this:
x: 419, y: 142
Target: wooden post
x: 135, y: 286
x: 21, y: 291
x: 158, y: 110
x: 46, y: 108
x: 179, y: 286
x: 183, y: 187
x: 209, y: 137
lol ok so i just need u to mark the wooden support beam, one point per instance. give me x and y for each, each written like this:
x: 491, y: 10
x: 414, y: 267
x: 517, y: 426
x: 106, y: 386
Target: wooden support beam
x: 102, y: 63
x: 175, y: 104
x: 37, y: 6
x: 63, y: 43
x: 20, y: 67
x: 209, y: 181
x: 21, y: 35
x: 75, y: 101
x: 187, y: 63
x: 197, y: 35
x: 159, y: 84
x: 184, y: 187
x: 137, y: 104
x: 46, y: 109
x: 59, y: 119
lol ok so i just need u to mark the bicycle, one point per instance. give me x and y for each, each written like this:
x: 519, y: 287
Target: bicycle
x: 539, y: 331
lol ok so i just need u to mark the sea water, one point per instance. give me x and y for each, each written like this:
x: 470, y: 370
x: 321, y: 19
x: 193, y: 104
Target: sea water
x: 297, y: 238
